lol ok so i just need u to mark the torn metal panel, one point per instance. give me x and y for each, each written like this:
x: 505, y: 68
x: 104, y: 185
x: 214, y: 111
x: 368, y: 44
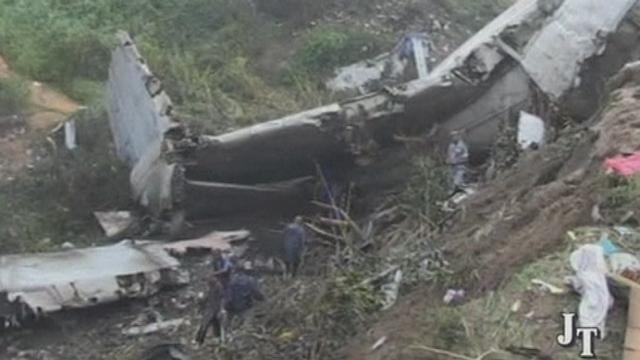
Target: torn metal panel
x: 494, y: 74
x: 481, y: 118
x: 114, y: 222
x: 139, y: 109
x: 531, y: 130
x: 258, y: 152
x: 532, y: 42
x: 142, y: 125
x: 210, y: 199
x: 51, y: 282
x: 215, y: 241
x: 154, y: 327
x: 515, y: 16
x: 554, y: 59
x: 388, y: 69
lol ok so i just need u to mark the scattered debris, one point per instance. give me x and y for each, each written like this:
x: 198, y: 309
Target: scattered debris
x: 624, y: 165
x: 531, y: 131
x: 378, y: 344
x: 390, y: 291
x: 454, y: 296
x: 548, y: 287
x: 215, y: 241
x: 516, y: 306
x: 475, y: 88
x: 79, y: 278
x: 608, y: 246
x: 70, y: 134
x: 153, y: 328
x: 590, y: 281
x: 67, y: 246
x: 621, y: 263
x: 386, y: 69
x: 114, y: 223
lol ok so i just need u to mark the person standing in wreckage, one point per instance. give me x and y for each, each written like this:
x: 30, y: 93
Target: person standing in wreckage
x: 213, y: 309
x: 295, y: 239
x: 230, y: 293
x: 458, y: 159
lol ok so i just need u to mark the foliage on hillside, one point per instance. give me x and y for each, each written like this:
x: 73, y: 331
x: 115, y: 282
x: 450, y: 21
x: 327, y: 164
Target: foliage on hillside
x: 204, y: 50
x: 13, y: 95
x: 53, y: 202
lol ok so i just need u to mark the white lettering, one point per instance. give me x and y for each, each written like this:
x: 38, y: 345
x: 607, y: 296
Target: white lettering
x: 567, y: 338
x: 588, y: 335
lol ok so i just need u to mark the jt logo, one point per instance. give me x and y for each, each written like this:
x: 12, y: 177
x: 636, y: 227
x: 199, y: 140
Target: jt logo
x: 572, y: 333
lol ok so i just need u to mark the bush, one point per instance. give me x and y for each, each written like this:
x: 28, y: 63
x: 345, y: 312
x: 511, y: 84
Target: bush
x: 326, y: 48
x: 89, y: 92
x: 55, y: 200
x: 297, y: 12
x: 14, y: 95
x: 476, y: 12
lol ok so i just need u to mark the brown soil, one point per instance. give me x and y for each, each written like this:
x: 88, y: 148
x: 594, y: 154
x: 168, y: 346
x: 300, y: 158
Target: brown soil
x: 47, y: 109
x: 515, y: 220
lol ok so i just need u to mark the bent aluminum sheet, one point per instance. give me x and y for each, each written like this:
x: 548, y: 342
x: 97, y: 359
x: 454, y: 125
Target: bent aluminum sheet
x: 86, y: 277
x: 576, y: 32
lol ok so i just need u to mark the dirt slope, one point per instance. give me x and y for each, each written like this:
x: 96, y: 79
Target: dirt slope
x: 47, y: 109
x: 516, y: 220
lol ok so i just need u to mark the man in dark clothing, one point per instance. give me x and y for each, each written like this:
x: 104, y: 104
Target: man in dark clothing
x: 295, y: 237
x: 213, y: 312
x: 242, y: 291
x: 230, y: 293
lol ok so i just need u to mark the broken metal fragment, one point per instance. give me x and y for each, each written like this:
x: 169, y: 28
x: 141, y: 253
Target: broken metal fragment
x: 536, y: 54
x: 215, y: 241
x: 114, y: 223
x: 36, y: 284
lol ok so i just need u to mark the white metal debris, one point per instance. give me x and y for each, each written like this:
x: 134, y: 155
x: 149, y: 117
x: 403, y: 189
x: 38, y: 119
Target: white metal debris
x: 79, y: 278
x: 555, y: 57
x: 114, y: 222
x: 153, y: 327
x: 420, y: 56
x: 390, y: 291
x: 531, y: 130
x: 386, y: 69
x: 70, y: 134
x: 221, y: 241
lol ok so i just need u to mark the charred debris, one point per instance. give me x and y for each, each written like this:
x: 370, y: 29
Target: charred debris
x: 544, y: 57
x: 547, y: 58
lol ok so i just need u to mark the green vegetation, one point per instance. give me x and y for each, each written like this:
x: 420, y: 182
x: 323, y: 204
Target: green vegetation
x: 474, y: 12
x: 53, y: 202
x: 209, y: 55
x: 14, y: 94
x: 325, y: 48
x: 205, y: 51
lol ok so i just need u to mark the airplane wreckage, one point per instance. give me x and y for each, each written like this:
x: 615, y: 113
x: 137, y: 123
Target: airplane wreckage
x: 556, y: 51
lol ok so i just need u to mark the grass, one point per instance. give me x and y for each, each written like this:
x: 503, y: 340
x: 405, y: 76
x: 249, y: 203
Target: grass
x: 53, y: 202
x: 327, y: 47
x: 14, y: 95
x: 474, y: 12
x: 492, y: 321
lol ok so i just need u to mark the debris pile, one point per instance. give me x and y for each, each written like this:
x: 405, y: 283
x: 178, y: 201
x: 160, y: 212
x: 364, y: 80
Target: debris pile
x: 501, y: 70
